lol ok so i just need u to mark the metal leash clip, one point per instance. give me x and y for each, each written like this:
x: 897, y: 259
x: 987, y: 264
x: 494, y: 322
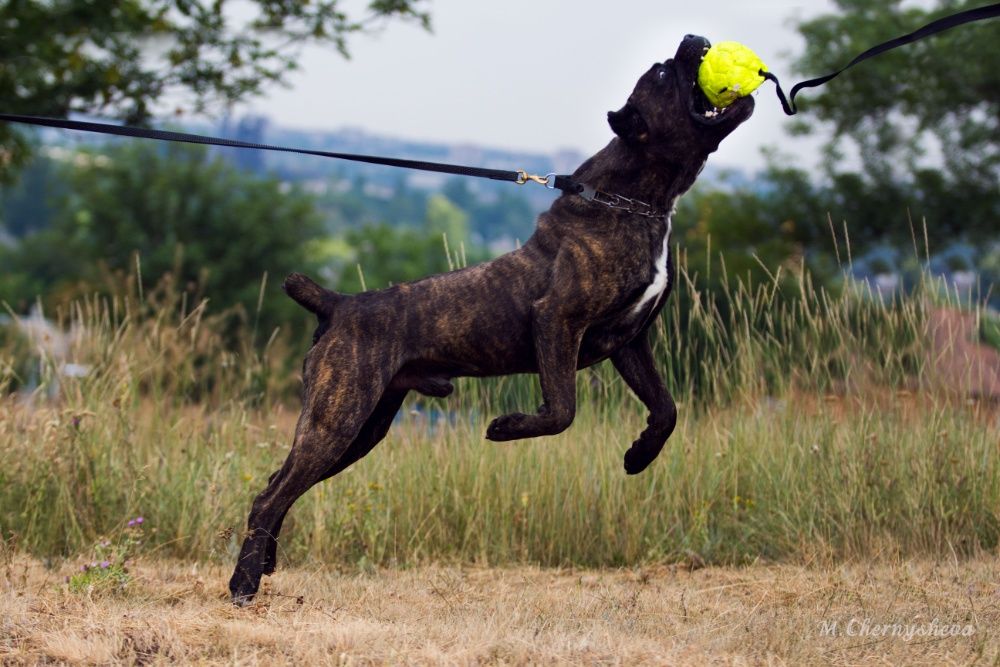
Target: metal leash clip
x: 548, y: 180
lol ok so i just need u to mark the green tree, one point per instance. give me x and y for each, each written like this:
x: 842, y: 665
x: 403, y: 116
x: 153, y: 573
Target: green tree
x: 213, y: 229
x: 509, y: 215
x: 939, y: 97
x: 444, y: 219
x: 26, y: 206
x: 389, y: 254
x: 124, y: 57
x: 730, y: 234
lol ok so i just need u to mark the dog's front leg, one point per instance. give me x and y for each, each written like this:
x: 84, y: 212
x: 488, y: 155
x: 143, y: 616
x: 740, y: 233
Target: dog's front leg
x: 557, y: 345
x: 635, y: 364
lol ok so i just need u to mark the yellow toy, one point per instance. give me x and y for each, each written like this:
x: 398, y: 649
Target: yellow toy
x: 728, y: 72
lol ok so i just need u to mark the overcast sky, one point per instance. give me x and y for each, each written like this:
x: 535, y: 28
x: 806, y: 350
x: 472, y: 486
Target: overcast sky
x: 534, y: 75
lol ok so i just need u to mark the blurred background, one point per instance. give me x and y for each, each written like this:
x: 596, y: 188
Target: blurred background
x: 899, y: 157
x: 832, y: 339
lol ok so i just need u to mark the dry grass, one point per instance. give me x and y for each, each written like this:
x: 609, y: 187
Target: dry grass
x: 760, y: 614
x: 810, y: 433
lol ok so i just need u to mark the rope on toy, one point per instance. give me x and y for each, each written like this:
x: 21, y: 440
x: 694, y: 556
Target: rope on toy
x: 730, y: 70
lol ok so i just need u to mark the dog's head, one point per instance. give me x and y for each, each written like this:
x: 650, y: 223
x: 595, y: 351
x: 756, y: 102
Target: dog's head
x: 669, y: 117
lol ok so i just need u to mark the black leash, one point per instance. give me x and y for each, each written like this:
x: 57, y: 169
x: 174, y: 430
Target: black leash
x: 932, y: 28
x: 551, y: 181
x: 520, y: 177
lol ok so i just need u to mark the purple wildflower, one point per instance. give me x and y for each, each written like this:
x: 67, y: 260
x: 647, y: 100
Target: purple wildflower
x: 105, y: 564
x: 139, y: 520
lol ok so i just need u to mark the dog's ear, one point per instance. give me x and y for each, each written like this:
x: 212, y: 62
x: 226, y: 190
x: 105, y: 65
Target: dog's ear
x: 628, y: 124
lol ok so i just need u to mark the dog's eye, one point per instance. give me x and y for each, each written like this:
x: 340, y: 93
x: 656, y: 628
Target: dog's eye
x: 663, y: 74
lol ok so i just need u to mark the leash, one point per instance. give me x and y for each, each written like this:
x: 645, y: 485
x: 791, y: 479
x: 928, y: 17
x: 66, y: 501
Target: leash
x: 932, y: 28
x: 519, y: 177
x: 551, y: 181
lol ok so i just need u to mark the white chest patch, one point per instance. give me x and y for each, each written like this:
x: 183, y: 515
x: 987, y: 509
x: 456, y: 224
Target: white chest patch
x: 660, y: 277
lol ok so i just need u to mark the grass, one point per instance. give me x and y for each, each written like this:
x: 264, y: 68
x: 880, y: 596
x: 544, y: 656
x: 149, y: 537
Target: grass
x: 989, y: 329
x: 906, y: 612
x: 819, y: 478
x: 775, y: 480
x: 806, y: 431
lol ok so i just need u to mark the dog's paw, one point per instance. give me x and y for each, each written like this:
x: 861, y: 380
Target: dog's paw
x: 243, y: 587
x: 507, y: 427
x: 642, y: 452
x: 241, y: 600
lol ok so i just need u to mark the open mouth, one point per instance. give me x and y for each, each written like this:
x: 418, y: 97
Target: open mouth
x: 704, y: 112
x: 701, y: 109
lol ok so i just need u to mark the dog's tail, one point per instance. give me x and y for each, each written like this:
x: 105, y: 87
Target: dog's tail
x: 311, y: 296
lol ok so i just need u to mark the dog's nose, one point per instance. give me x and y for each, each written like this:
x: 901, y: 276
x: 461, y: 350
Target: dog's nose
x: 692, y: 47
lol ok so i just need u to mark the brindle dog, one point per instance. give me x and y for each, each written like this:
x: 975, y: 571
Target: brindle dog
x: 585, y: 287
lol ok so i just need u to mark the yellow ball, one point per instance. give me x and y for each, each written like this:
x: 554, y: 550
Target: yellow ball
x: 728, y: 72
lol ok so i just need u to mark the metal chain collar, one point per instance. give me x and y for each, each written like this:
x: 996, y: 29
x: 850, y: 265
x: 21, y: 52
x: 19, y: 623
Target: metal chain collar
x: 621, y: 203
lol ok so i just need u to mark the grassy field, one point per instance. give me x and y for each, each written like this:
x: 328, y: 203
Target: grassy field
x: 810, y: 425
x: 822, y: 466
x: 783, y: 478
x: 915, y: 613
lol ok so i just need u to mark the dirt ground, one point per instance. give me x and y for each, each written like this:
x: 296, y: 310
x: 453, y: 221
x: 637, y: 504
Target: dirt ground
x: 903, y: 613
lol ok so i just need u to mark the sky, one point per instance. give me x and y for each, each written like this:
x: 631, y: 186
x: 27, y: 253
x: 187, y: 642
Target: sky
x: 536, y: 76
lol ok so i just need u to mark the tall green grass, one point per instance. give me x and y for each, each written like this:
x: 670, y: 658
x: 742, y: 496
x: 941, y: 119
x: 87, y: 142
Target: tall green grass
x: 989, y: 330
x: 807, y: 430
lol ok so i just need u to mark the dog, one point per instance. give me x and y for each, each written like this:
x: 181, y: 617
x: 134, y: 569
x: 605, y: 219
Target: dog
x: 585, y: 287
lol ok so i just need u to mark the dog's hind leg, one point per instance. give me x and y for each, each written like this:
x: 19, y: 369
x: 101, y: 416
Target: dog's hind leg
x: 334, y: 414
x: 372, y: 433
